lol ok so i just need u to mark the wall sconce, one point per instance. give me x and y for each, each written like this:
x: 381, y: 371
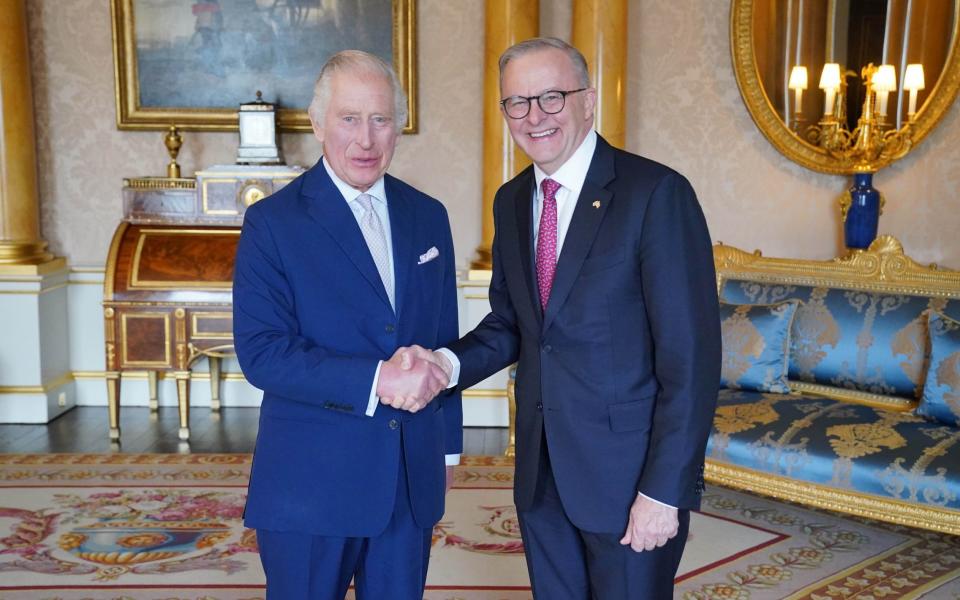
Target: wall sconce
x: 884, y: 81
x: 830, y: 84
x: 798, y: 83
x: 913, y: 82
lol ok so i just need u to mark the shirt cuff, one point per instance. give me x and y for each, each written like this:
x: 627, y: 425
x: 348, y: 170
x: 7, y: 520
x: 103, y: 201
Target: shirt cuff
x: 452, y: 459
x: 374, y: 400
x: 455, y: 375
x: 655, y: 500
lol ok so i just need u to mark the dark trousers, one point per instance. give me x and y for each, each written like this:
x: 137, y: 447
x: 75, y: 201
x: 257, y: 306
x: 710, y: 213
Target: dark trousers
x: 392, y: 565
x: 567, y: 563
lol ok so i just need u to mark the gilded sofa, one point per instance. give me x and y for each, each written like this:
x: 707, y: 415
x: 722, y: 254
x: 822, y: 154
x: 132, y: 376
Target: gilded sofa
x: 846, y: 437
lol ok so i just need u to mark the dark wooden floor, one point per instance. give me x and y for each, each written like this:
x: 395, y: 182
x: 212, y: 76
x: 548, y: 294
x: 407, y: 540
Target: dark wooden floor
x: 84, y: 429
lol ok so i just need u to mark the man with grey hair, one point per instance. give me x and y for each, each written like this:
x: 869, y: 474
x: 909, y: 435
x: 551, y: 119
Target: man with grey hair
x: 333, y: 273
x: 603, y: 292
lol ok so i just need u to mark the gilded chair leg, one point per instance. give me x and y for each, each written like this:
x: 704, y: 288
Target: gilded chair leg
x: 152, y: 390
x: 113, y: 404
x: 214, y: 383
x: 183, y: 402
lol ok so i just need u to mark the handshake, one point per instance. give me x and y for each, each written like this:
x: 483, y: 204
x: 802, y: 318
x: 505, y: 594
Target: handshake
x: 412, y: 378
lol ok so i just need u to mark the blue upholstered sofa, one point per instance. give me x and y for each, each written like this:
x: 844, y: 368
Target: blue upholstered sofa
x: 846, y: 435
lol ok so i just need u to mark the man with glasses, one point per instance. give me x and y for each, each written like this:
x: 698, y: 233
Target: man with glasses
x: 603, y: 291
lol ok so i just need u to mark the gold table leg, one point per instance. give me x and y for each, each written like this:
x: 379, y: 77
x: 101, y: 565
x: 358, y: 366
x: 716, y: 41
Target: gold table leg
x: 113, y: 404
x: 214, y: 383
x: 152, y: 390
x: 183, y: 402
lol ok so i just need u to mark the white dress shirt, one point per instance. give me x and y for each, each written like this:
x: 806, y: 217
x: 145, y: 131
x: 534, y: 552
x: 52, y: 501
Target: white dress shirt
x: 379, y: 194
x: 570, y: 176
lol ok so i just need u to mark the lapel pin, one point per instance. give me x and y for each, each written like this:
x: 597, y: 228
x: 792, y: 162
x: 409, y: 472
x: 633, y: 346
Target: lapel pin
x: 596, y: 204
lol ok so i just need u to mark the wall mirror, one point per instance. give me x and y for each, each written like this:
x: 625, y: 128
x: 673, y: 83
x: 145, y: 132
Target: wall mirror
x: 797, y: 61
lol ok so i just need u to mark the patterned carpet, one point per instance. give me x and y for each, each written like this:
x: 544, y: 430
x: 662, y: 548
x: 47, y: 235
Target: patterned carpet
x: 98, y: 527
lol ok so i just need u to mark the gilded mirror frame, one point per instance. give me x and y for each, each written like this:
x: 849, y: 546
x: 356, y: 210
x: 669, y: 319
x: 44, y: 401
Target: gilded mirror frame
x: 775, y: 130
x: 132, y: 115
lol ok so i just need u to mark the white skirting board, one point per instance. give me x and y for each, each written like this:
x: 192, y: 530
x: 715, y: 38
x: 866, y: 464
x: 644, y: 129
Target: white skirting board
x: 65, y: 326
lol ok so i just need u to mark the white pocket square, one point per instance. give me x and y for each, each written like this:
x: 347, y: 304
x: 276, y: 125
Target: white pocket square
x: 429, y: 255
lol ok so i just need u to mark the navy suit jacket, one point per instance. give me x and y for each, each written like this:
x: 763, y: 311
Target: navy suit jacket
x: 311, y: 321
x: 621, y: 371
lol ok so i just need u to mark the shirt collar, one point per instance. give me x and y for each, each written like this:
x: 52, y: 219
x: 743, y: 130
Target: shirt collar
x: 572, y: 173
x: 350, y: 193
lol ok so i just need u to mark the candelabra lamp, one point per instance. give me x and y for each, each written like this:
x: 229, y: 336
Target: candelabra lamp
x: 872, y: 143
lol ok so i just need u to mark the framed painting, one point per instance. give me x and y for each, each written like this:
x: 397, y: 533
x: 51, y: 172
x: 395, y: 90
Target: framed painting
x: 191, y: 63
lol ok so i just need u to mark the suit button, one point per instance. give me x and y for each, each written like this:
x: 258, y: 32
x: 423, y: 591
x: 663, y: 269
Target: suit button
x: 393, y: 424
x: 539, y: 405
x: 547, y: 348
x: 389, y: 328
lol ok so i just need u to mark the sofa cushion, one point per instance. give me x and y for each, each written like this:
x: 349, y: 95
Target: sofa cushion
x: 867, y: 341
x: 894, y: 455
x: 756, y: 345
x: 941, y: 391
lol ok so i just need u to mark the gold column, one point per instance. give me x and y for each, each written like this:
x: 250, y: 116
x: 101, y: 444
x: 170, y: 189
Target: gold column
x: 21, y: 248
x: 600, y: 33
x: 507, y: 22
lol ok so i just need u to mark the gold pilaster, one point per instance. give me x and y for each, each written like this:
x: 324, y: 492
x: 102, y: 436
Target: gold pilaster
x: 600, y: 33
x: 507, y: 22
x: 20, y: 242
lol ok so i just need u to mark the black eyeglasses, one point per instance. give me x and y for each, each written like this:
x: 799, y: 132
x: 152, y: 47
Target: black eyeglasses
x: 552, y: 102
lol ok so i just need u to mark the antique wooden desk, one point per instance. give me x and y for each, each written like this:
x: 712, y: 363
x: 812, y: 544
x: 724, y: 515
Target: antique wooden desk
x: 167, y: 297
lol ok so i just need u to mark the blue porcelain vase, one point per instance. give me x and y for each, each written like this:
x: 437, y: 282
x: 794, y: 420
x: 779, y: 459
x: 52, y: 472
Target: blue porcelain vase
x: 863, y: 215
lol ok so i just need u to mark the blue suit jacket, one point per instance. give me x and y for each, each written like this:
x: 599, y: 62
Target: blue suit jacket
x: 311, y: 321
x: 621, y: 371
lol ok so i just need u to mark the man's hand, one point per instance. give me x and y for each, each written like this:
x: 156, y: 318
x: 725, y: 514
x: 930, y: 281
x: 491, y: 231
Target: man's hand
x: 406, y: 356
x: 410, y: 388
x: 651, y: 524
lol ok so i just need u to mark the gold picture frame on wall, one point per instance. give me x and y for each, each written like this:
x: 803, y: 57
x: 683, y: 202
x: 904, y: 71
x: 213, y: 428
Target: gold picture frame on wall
x: 190, y: 63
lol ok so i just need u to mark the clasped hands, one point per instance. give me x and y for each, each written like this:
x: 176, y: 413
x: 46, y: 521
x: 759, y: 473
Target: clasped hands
x: 412, y: 378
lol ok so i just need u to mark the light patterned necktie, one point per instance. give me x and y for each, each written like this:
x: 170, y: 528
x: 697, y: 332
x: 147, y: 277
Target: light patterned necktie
x: 372, y: 230
x: 547, y: 240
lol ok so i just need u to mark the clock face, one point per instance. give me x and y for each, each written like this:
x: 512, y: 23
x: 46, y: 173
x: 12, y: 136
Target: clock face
x: 257, y: 129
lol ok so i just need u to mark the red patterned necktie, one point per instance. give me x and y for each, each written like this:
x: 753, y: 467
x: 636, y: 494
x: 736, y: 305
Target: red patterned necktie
x: 547, y: 240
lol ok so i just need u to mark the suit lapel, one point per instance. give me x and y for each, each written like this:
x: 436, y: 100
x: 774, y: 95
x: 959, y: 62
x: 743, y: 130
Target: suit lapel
x: 587, y: 215
x: 523, y: 210
x: 401, y: 227
x: 326, y: 205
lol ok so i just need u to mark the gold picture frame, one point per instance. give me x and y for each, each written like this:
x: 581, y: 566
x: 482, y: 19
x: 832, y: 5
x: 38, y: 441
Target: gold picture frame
x: 134, y: 113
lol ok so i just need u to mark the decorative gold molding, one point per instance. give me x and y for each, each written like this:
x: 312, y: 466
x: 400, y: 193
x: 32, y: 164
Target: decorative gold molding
x: 124, y: 337
x: 45, y: 388
x: 912, y: 514
x: 160, y: 183
x: 144, y: 375
x: 196, y: 334
x: 873, y: 400
x: 883, y: 267
x: 132, y: 116
x: 110, y: 268
x: 788, y: 143
x: 40, y: 268
x: 137, y: 283
x: 488, y: 393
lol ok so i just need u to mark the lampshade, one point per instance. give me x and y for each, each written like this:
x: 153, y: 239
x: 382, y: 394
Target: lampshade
x: 885, y: 79
x: 830, y: 78
x: 798, y: 78
x: 913, y: 77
